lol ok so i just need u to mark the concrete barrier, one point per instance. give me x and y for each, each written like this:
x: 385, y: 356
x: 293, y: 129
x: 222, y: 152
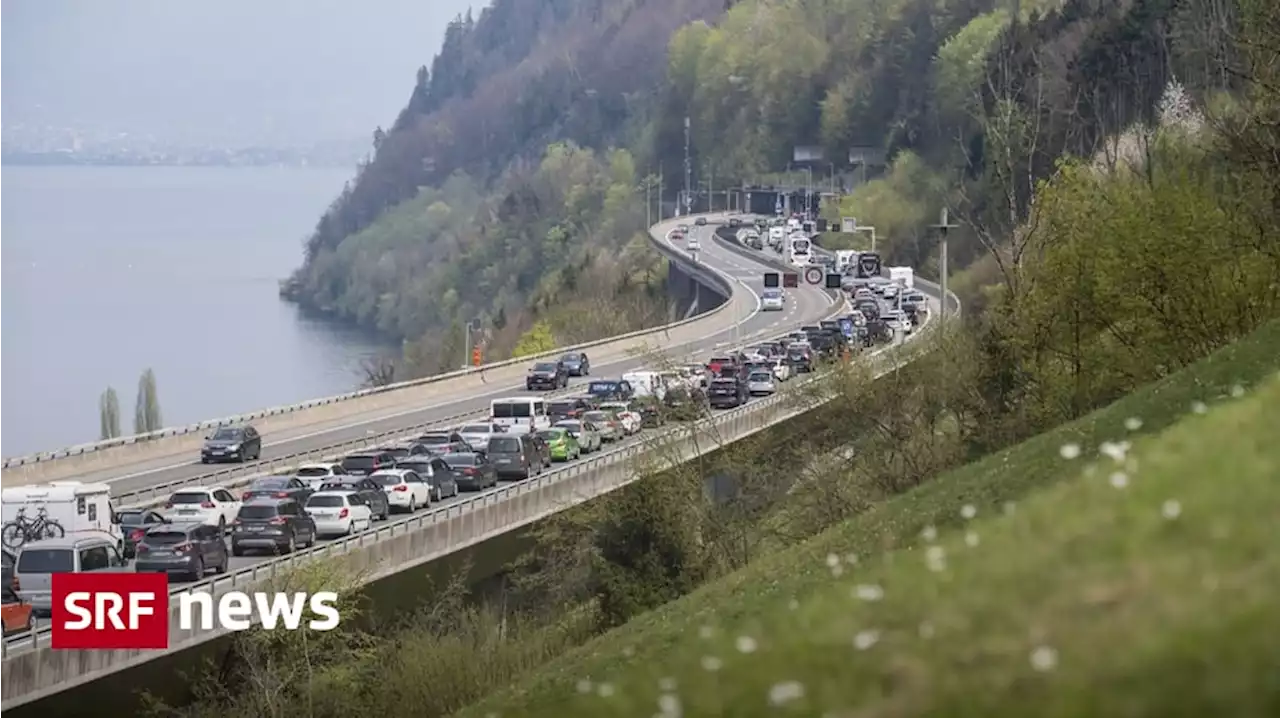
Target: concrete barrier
x: 181, y: 442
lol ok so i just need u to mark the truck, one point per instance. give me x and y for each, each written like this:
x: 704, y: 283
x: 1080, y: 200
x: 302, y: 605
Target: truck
x: 904, y: 276
x: 845, y: 258
x: 56, y: 509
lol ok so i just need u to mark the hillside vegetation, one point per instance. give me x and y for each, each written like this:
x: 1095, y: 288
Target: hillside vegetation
x: 1114, y: 170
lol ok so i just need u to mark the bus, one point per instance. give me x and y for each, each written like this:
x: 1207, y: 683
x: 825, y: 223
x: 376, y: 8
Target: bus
x: 798, y: 251
x: 520, y: 414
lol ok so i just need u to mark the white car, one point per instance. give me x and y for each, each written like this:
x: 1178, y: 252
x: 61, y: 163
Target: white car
x: 781, y: 369
x: 693, y: 244
x: 760, y: 383
x: 315, y: 475
x: 212, y: 505
x: 630, y: 419
x: 406, y: 490
x: 338, y: 513
x: 772, y: 300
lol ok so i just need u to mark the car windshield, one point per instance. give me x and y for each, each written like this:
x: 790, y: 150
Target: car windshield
x: 596, y: 416
x: 551, y: 435
x: 476, y: 429
x: 362, y: 463
x: 226, y: 435
x: 257, y: 512
x: 761, y: 377
x: 459, y: 459
x: 723, y: 385
x: 45, y: 560
x: 189, y: 497
x: 504, y: 444
x: 313, y: 471
x: 561, y: 407
x: 570, y: 358
x: 571, y: 426
x: 544, y: 366
x: 130, y: 518
x: 772, y: 294
x: 387, y: 479
x: 165, y: 537
x: 273, y: 483
x: 326, y: 501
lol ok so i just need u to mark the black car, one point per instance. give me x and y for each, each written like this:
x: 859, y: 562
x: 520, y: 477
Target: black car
x: 610, y: 390
x: 576, y: 363
x: 726, y: 393
x: 134, y: 523
x: 436, y: 472
x: 189, y: 550
x: 570, y: 408
x: 547, y: 375
x: 370, y: 491
x: 278, y: 487
x: 363, y: 463
x: 438, y: 443
x: 701, y: 221
x: 402, y: 449
x: 6, y: 567
x: 472, y: 470
x: 232, y: 443
x: 800, y: 359
x: 279, y: 525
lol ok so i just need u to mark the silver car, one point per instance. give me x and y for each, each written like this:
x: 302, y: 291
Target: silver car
x: 772, y: 300
x: 760, y: 383
x: 479, y: 434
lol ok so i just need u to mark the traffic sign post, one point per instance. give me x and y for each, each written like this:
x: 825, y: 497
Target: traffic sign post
x: 814, y: 275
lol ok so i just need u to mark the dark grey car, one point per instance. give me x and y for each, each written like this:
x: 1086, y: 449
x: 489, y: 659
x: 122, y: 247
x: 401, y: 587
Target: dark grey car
x: 232, y: 443
x: 515, y: 456
x: 278, y: 487
x: 547, y: 375
x: 134, y: 524
x: 371, y: 491
x: 278, y: 525
x: 188, y: 550
x: 576, y: 363
x: 362, y: 463
x: 436, y: 472
x: 473, y: 471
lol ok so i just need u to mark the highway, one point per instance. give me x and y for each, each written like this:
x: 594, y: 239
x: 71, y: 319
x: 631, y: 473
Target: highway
x: 808, y: 306
x: 805, y: 306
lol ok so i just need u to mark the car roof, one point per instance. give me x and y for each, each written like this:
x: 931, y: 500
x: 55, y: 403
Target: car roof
x: 266, y: 500
x: 375, y: 452
x: 390, y: 472
x: 330, y: 492
x: 185, y: 526
x: 67, y: 542
x: 198, y: 489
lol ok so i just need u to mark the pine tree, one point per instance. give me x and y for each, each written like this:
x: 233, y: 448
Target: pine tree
x: 109, y: 414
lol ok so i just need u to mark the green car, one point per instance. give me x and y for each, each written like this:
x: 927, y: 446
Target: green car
x: 563, y: 446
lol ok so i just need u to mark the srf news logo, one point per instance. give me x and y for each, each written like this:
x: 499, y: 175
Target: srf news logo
x: 132, y: 611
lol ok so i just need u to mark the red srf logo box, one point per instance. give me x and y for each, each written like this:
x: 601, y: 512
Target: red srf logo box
x: 110, y: 611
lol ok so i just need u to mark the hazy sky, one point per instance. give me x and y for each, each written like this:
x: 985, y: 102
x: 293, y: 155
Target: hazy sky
x: 228, y: 71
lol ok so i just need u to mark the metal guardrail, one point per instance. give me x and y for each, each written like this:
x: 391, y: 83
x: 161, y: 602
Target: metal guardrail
x: 719, y: 426
x: 724, y: 286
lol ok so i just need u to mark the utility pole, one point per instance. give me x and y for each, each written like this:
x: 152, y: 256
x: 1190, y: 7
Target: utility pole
x: 943, y: 226
x: 688, y: 169
x: 659, y: 194
x: 711, y: 188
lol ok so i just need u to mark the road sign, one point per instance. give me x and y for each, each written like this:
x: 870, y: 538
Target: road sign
x: 848, y: 224
x: 814, y: 275
x: 868, y: 265
x: 846, y: 327
x: 791, y: 280
x: 771, y: 280
x: 834, y: 281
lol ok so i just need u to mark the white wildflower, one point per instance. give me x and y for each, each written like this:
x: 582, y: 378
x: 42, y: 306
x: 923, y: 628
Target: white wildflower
x: 1044, y: 659
x: 866, y: 639
x: 1069, y: 451
x: 1171, y: 509
x: 785, y: 692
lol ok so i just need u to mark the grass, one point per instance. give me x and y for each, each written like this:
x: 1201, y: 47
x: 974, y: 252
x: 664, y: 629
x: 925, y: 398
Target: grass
x: 857, y: 241
x: 1125, y: 611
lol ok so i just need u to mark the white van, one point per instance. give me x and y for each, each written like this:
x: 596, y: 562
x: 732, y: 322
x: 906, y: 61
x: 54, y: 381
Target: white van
x: 520, y: 415
x: 646, y: 383
x: 67, y: 507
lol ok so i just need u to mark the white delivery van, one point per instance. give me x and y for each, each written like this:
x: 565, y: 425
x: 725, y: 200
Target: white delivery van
x: 67, y: 507
x: 845, y: 259
x: 904, y: 276
x: 646, y: 383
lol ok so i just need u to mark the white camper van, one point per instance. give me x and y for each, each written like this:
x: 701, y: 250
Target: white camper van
x: 64, y: 507
x: 904, y: 276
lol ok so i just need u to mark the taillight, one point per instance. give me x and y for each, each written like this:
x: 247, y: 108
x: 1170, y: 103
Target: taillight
x: 15, y: 584
x: 282, y: 495
x: 207, y: 505
x: 401, y: 487
x: 182, y: 547
x: 168, y: 505
x: 469, y: 471
x: 277, y: 521
x: 246, y: 496
x: 137, y: 535
x: 143, y: 548
x: 344, y: 513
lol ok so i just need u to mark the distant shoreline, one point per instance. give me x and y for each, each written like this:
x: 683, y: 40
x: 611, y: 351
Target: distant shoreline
x: 58, y: 159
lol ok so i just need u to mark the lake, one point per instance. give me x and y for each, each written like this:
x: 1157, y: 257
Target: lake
x: 110, y: 270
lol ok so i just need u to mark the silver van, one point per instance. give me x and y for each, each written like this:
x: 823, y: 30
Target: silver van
x: 79, y: 553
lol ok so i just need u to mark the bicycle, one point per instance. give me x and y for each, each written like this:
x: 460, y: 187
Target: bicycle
x: 22, y: 529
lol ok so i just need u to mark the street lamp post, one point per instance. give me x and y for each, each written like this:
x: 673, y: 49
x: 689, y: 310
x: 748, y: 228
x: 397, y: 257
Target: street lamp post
x: 943, y: 226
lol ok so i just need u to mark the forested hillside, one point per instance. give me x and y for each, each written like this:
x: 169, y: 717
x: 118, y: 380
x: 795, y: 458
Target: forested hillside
x: 465, y: 212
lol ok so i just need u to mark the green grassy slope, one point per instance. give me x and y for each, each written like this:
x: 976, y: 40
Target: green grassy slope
x: 1058, y: 598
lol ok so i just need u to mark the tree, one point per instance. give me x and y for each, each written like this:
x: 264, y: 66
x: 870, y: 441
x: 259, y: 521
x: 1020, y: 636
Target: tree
x: 146, y: 414
x: 537, y: 340
x: 109, y: 414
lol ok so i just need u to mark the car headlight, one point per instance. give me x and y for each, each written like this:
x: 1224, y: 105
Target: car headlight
x: 233, y: 448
